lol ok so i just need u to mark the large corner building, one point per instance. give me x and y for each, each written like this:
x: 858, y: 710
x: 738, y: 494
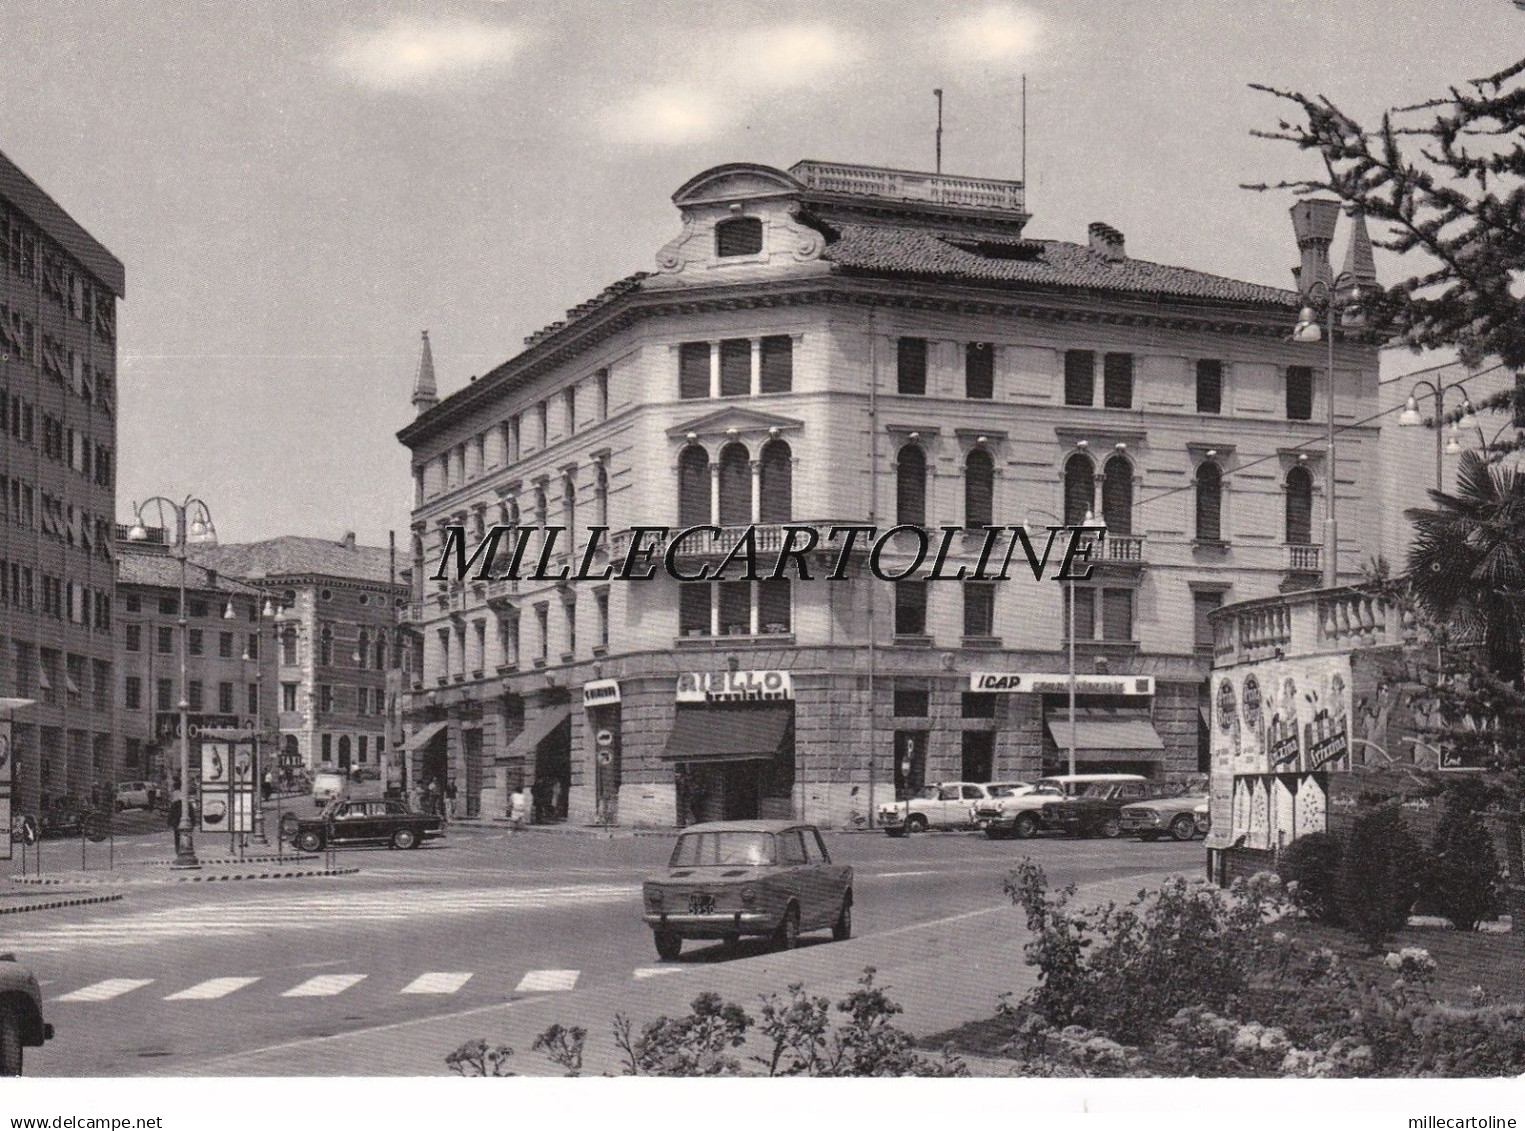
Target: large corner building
x: 847, y: 344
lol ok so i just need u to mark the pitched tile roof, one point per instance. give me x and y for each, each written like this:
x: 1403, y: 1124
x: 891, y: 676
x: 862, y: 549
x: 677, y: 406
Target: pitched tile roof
x: 917, y: 251
x: 163, y: 572
x: 290, y: 554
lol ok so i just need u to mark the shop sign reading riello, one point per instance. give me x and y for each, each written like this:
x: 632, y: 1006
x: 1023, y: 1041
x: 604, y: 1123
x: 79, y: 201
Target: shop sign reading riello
x: 734, y: 687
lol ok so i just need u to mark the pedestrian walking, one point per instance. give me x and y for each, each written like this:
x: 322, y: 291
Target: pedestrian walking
x: 176, y: 808
x: 555, y: 799
x: 267, y: 786
x: 450, y: 796
x: 516, y: 808
x: 433, y: 800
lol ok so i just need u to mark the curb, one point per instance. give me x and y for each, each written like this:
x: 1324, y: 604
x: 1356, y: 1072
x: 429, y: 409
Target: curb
x: 224, y: 878
x: 288, y: 858
x: 61, y: 903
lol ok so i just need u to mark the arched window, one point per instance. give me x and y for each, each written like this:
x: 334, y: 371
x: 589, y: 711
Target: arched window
x: 693, y: 486
x: 363, y: 649
x: 740, y: 235
x: 979, y: 489
x: 381, y: 653
x: 1117, y: 495
x: 344, y: 751
x: 1079, y: 488
x: 911, y: 486
x: 776, y: 489
x: 292, y: 752
x: 735, y: 485
x: 326, y: 646
x: 1299, y: 507
x: 289, y: 645
x: 1209, y: 502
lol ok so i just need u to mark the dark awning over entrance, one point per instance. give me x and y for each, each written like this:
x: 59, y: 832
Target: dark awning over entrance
x: 422, y: 738
x: 530, y: 738
x: 728, y: 734
x: 1106, y: 734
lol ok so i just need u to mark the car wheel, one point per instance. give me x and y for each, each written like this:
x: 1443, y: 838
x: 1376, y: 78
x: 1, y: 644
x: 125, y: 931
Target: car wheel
x: 787, y: 937
x: 842, y: 929
x: 1112, y: 828
x: 669, y: 945
x: 1026, y: 827
x: 310, y: 841
x: 915, y: 823
x: 404, y: 838
x: 1183, y: 827
x: 10, y: 1042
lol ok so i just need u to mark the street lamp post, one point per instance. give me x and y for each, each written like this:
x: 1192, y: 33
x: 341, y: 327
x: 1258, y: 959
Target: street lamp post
x: 1410, y: 418
x: 201, y: 530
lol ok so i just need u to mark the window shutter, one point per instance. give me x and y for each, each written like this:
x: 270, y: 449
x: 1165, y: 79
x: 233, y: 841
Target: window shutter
x: 741, y: 235
x: 736, y: 367
x: 911, y: 367
x: 1079, y: 488
x: 911, y: 486
x: 693, y: 487
x: 1210, y: 386
x: 1117, y: 614
x: 776, y: 365
x: 1209, y: 503
x: 1117, y: 496
x: 979, y: 489
x: 773, y: 613
x: 1299, y: 392
x: 1299, y: 507
x: 1118, y: 380
x: 735, y: 486
x: 776, y: 490
x: 979, y: 371
x: 694, y: 370
x: 1079, y: 377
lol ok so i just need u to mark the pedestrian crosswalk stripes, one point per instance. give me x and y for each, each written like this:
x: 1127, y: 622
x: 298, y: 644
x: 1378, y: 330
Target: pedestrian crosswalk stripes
x: 438, y: 983
x: 105, y: 991
x: 302, y: 911
x: 645, y: 972
x: 211, y: 989
x: 324, y: 985
x: 544, y: 981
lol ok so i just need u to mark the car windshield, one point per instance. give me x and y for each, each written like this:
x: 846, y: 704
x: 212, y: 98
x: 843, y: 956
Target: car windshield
x: 716, y: 850
x: 929, y: 793
x: 1099, y: 789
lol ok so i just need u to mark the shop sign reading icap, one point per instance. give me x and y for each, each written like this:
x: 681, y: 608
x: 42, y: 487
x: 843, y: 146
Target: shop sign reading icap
x: 1035, y: 683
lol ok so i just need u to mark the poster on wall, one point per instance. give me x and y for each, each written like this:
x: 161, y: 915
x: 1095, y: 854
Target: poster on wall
x: 1282, y: 716
x: 227, y: 787
x: 7, y: 774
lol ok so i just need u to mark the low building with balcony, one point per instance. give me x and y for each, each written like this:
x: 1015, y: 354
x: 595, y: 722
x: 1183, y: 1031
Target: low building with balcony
x: 846, y: 344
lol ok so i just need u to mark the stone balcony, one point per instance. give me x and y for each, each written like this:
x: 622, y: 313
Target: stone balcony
x: 1310, y: 622
x: 897, y: 184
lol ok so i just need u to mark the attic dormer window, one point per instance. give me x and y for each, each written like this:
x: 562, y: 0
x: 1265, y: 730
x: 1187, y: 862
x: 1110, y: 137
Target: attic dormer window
x: 740, y: 235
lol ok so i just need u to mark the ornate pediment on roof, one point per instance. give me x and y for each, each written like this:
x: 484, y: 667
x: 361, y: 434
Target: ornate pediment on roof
x: 736, y: 219
x: 736, y: 181
x: 737, y: 420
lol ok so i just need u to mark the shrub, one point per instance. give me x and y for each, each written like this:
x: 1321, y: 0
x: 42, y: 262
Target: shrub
x: 1310, y: 865
x: 1378, y: 879
x: 697, y: 1045
x: 1461, y: 880
x: 478, y: 1058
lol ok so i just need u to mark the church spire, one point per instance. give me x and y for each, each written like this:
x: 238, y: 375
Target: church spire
x: 425, y: 391
x: 1360, y: 266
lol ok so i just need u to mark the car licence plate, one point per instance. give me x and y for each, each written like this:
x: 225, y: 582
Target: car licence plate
x: 701, y: 904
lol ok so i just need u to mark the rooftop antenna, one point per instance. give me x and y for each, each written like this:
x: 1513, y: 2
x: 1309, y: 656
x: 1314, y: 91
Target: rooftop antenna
x: 938, y: 94
x: 1024, y: 135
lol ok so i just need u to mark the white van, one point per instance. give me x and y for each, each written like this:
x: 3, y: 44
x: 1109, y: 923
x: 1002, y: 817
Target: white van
x: 327, y: 787
x: 1017, y: 815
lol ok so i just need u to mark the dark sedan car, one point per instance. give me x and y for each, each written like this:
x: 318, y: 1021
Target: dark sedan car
x: 1096, y: 810
x: 21, y: 1023
x: 65, y: 817
x: 727, y: 879
x: 366, y: 822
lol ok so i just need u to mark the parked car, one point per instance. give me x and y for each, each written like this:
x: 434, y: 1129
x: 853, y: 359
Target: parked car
x: 942, y: 805
x: 1173, y: 815
x: 727, y: 879
x: 1020, y: 814
x: 64, y: 817
x: 366, y: 822
x: 21, y: 1023
x: 1095, y: 810
x: 135, y: 795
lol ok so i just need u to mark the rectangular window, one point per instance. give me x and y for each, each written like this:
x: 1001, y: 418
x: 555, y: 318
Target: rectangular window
x: 543, y: 622
x: 1202, y: 605
x: 601, y: 389
x: 194, y: 646
x: 735, y: 607
x: 326, y: 743
x: 569, y: 405
x: 165, y: 695
x: 132, y: 695
x: 251, y: 646
x: 979, y: 371
x: 979, y: 608
x: 911, y: 701
x: 362, y: 746
x: 198, y: 608
x: 601, y: 602
x: 694, y: 371
x: 694, y: 608
x: 1117, y: 614
x: 169, y: 606
x: 225, y: 698
x: 735, y: 367
x: 134, y: 638
x: 911, y: 367
x: 776, y: 364
x: 1209, y: 386
x: 1117, y: 376
x: 910, y: 608
x: 569, y: 618
x: 193, y: 695
x: 1085, y: 612
x: 225, y: 645
x: 978, y: 705
x: 288, y: 697
x: 1299, y: 392
x: 1079, y: 377
x: 166, y: 642
x: 773, y: 606
x: 326, y: 698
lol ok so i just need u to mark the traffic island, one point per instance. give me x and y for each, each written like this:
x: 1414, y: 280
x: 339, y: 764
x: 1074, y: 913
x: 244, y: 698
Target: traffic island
x: 55, y: 904
x: 88, y: 879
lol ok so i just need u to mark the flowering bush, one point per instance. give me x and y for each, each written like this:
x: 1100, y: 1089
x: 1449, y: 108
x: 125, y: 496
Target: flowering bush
x: 1412, y: 962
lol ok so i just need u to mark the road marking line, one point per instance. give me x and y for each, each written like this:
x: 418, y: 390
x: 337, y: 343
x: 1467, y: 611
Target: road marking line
x: 105, y: 991
x: 896, y: 875
x: 324, y: 985
x: 211, y: 989
x: 438, y: 983
x: 547, y: 981
x: 655, y: 971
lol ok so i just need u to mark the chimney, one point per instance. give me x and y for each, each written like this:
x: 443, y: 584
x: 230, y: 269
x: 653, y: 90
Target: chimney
x: 348, y: 541
x: 1313, y: 224
x: 1107, y: 242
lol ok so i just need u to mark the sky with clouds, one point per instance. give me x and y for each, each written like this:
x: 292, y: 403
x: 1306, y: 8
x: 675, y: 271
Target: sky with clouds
x: 297, y: 189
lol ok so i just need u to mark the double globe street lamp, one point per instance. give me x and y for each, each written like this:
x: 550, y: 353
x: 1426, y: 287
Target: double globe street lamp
x: 1410, y: 418
x: 187, y: 530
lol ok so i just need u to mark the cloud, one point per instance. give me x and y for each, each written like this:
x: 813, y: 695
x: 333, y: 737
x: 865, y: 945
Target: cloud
x: 664, y: 115
x: 409, y: 53
x: 790, y: 56
x: 1000, y: 33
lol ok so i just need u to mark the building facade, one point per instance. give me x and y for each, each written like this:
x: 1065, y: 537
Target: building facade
x: 336, y: 641
x: 58, y: 294
x: 230, y: 674
x: 845, y: 344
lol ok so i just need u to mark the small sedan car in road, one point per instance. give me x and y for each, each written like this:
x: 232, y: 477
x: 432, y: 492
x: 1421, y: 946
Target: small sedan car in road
x: 943, y: 805
x: 135, y: 795
x: 727, y: 879
x: 1164, y: 816
x: 21, y: 1023
x: 1020, y: 813
x: 366, y: 822
x: 64, y: 817
x: 1097, y: 809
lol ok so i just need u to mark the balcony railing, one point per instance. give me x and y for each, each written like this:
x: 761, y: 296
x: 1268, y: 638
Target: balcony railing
x: 1123, y: 548
x: 1304, y: 559
x: 898, y: 184
x: 767, y: 537
x: 1309, y: 622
